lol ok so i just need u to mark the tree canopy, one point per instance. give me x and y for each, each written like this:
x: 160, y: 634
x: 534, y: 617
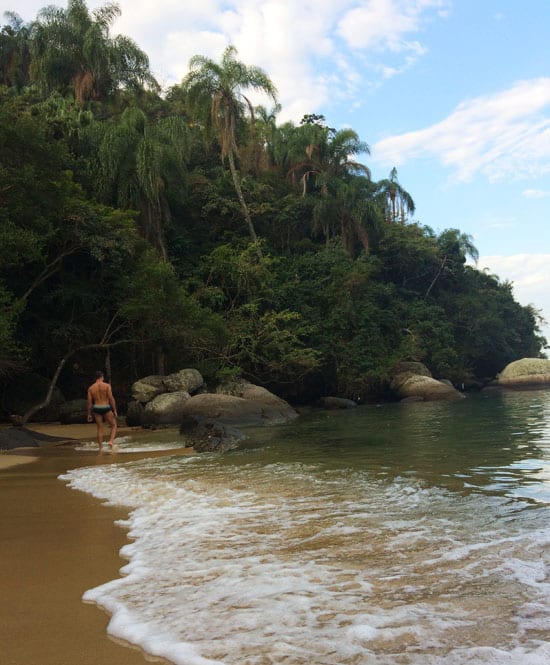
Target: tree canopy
x: 121, y: 232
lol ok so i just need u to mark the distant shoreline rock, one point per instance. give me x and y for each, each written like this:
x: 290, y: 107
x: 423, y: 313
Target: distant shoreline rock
x: 412, y: 381
x: 526, y: 373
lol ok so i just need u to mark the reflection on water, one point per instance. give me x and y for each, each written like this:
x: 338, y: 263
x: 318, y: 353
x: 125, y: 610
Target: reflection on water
x: 499, y: 443
x: 144, y: 441
x: 406, y: 534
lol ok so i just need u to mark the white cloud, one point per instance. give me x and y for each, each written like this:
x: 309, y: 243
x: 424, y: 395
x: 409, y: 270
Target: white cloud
x: 501, y: 135
x: 315, y: 51
x: 530, y: 276
x: 383, y: 24
x: 535, y: 193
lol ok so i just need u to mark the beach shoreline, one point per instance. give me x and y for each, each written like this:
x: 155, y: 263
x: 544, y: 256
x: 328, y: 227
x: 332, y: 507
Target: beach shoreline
x: 56, y: 544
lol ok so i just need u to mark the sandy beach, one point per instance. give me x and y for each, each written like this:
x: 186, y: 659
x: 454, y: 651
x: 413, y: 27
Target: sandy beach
x: 55, y: 544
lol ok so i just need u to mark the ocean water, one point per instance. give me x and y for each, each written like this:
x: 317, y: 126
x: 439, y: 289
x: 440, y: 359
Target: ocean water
x: 399, y: 534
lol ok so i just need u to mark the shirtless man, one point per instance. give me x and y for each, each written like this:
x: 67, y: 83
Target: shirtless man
x: 101, y: 404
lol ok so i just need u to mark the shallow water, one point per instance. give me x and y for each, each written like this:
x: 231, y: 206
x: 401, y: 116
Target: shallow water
x: 413, y: 534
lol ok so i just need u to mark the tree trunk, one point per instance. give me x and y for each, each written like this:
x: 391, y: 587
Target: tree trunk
x: 244, y: 207
x: 160, y: 360
x: 108, y: 370
x: 55, y: 377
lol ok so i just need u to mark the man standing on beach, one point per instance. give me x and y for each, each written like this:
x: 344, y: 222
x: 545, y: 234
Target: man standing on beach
x: 102, y: 404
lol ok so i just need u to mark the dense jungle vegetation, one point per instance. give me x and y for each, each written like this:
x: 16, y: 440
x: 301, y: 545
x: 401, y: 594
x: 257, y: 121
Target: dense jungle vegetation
x: 146, y: 230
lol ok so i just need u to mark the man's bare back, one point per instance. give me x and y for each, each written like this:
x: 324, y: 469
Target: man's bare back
x: 100, y: 393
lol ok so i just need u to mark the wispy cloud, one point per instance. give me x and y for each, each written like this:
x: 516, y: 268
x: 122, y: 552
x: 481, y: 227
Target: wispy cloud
x: 316, y: 51
x: 536, y: 193
x: 384, y: 25
x: 502, y: 135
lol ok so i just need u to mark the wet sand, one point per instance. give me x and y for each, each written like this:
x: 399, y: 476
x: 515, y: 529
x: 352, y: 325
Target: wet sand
x: 55, y: 543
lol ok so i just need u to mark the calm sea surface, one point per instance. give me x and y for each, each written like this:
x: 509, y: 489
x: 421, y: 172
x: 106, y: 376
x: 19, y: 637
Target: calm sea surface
x: 414, y: 534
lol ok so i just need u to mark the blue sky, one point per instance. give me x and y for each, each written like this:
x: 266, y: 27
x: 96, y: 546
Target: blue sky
x: 454, y: 93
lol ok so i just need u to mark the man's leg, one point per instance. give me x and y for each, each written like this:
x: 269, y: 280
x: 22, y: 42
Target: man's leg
x: 99, y: 422
x: 110, y: 418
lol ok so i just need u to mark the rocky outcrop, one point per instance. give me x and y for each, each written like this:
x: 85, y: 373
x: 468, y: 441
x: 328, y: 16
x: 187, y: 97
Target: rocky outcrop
x: 147, y: 388
x: 414, y: 382
x: 233, y: 410
x: 210, y: 420
x: 526, y: 373
x: 158, y: 400
x: 186, y: 380
x: 210, y: 436
x: 165, y: 409
x: 337, y: 403
x: 253, y: 393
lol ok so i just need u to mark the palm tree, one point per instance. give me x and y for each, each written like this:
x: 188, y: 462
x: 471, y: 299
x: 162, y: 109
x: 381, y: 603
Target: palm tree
x: 397, y: 202
x: 322, y: 162
x: 357, y: 212
x: 72, y: 49
x: 137, y: 162
x: 14, y: 51
x: 318, y: 153
x: 215, y: 94
x: 260, y: 148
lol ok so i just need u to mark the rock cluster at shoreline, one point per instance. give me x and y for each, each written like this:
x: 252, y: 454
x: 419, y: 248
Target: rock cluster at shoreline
x: 526, y: 373
x: 208, y: 419
x: 413, y: 381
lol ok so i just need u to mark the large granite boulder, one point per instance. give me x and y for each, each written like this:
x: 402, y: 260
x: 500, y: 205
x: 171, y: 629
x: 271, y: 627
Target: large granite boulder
x: 526, y: 373
x: 147, y: 388
x: 210, y: 435
x: 413, y: 381
x: 337, y: 403
x: 253, y: 393
x: 233, y: 410
x: 165, y: 409
x: 188, y: 380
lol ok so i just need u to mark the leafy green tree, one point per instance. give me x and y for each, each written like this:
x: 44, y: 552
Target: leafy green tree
x: 72, y: 49
x: 455, y: 247
x: 410, y: 256
x: 359, y: 216
x: 322, y: 162
x: 14, y: 52
x: 320, y: 153
x: 121, y: 236
x: 490, y: 328
x: 215, y: 94
x: 50, y: 232
x: 163, y: 317
x: 397, y: 202
x: 266, y: 341
x: 140, y: 165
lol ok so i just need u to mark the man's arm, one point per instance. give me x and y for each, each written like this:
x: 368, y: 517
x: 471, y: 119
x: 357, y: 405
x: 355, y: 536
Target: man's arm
x: 89, y: 405
x: 112, y: 401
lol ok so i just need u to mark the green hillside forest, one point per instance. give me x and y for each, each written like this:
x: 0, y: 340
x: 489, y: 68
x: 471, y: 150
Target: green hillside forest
x: 146, y: 230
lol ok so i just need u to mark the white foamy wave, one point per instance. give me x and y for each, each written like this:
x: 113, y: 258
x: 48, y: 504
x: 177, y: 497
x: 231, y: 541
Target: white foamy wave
x: 129, y: 444
x: 288, y: 564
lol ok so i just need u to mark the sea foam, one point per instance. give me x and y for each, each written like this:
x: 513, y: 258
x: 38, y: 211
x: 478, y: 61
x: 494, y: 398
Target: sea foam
x: 292, y: 564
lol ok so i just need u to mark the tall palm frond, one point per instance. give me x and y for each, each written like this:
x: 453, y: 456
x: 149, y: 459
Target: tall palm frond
x: 215, y: 95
